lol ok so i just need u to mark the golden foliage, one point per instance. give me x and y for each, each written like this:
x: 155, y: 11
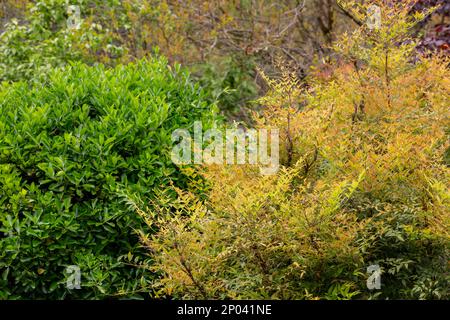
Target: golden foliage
x: 364, y: 180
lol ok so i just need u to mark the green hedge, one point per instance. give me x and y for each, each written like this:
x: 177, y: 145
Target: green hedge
x: 67, y: 149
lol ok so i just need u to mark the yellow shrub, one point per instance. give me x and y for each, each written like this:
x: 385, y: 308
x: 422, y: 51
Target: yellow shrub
x: 364, y: 182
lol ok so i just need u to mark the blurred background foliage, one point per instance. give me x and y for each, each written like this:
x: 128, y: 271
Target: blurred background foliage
x: 222, y: 41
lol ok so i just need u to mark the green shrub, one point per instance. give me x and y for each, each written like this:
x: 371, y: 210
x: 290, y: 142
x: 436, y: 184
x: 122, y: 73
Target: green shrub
x: 68, y: 148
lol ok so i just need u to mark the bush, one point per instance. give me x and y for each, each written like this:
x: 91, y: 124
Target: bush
x: 68, y: 148
x: 268, y: 238
x: 364, y: 183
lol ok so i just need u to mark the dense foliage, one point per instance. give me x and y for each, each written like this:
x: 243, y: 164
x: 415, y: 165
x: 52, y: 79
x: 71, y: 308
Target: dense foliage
x: 68, y: 148
x: 365, y: 182
x: 89, y: 103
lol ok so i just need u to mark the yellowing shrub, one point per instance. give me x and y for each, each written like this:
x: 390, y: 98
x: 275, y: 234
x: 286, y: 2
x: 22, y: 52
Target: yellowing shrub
x: 364, y: 182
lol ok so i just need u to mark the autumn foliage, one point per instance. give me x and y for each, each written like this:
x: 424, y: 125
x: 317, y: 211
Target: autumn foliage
x: 364, y: 181
x: 88, y: 112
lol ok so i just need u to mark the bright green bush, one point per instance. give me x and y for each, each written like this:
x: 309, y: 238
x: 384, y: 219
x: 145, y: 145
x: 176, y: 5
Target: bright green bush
x: 68, y: 149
